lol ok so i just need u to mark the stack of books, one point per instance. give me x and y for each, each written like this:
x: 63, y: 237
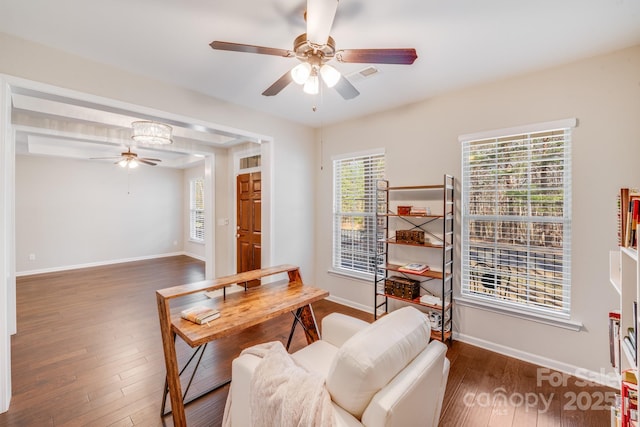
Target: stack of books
x: 628, y: 216
x: 420, y: 211
x: 200, y: 314
x: 431, y: 300
x: 414, y: 268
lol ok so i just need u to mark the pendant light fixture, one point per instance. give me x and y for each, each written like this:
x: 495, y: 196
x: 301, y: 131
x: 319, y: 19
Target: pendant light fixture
x: 150, y: 132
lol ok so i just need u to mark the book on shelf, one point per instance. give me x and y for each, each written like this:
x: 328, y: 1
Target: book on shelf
x: 631, y: 338
x: 628, y: 398
x: 634, y: 332
x: 628, y: 216
x: 634, y: 222
x: 414, y: 268
x: 420, y: 211
x: 614, y: 338
x: 431, y: 300
x: 200, y: 314
x: 630, y: 347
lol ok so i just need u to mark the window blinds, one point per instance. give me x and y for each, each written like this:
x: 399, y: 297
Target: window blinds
x: 196, y: 216
x: 517, y: 220
x: 354, y: 208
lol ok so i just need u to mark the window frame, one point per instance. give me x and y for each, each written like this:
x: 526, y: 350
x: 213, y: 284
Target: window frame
x: 338, y: 259
x: 559, y: 317
x: 196, y: 234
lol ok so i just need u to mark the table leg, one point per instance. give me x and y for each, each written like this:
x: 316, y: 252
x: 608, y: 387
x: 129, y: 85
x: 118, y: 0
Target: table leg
x: 171, y: 363
x: 304, y: 316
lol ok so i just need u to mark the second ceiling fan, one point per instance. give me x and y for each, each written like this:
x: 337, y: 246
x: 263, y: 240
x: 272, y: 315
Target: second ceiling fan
x: 315, y: 48
x: 130, y: 159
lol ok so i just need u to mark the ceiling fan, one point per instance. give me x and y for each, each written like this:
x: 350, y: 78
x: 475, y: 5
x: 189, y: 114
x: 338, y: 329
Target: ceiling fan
x: 130, y: 159
x: 315, y: 48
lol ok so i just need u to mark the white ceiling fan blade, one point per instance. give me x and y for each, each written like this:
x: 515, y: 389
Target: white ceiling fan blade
x: 320, y: 15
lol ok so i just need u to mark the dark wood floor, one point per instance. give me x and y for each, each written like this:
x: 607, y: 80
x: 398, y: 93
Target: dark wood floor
x: 88, y: 353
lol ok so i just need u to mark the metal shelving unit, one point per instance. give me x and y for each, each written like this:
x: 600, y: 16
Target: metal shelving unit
x: 438, y: 230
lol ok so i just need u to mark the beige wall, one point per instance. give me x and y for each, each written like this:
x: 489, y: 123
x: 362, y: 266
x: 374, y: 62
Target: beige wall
x: 73, y: 213
x: 421, y: 142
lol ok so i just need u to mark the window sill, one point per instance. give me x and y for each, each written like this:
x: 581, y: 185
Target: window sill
x: 362, y: 277
x: 508, y: 311
x: 200, y: 242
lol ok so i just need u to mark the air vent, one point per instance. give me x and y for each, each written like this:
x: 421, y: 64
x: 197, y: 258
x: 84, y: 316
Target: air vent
x: 365, y: 73
x: 368, y: 72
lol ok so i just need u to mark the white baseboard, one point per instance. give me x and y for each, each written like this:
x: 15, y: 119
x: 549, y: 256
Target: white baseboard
x: 198, y: 257
x: 342, y: 301
x: 609, y: 379
x: 99, y: 264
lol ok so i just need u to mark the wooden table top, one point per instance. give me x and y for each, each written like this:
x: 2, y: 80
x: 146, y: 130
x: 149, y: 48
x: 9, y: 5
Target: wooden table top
x: 242, y: 310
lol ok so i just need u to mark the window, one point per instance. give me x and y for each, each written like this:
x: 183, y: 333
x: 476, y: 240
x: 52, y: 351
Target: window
x: 196, y: 213
x: 516, y: 218
x: 354, y: 208
x: 250, y: 162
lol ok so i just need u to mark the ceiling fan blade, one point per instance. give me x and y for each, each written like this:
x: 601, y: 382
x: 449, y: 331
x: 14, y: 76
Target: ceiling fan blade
x: 279, y: 84
x: 149, y: 159
x: 104, y: 158
x: 146, y: 162
x: 320, y: 16
x: 378, y: 56
x: 346, y: 89
x: 248, y: 48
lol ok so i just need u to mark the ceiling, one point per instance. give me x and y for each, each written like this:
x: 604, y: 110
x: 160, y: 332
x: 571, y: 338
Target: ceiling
x: 459, y: 43
x: 71, y: 126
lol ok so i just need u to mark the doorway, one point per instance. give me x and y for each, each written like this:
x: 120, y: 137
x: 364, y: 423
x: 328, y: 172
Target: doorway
x: 249, y: 222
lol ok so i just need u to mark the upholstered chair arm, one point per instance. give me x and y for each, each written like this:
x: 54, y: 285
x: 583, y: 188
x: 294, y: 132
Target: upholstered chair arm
x: 414, y: 396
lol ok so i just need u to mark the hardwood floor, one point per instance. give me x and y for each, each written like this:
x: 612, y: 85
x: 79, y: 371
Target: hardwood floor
x: 88, y: 353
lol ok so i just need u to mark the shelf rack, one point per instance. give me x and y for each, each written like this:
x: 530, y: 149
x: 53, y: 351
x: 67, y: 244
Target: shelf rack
x: 439, y: 230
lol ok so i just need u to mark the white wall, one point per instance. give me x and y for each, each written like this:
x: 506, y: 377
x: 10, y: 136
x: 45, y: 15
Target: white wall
x: 77, y: 212
x: 421, y: 140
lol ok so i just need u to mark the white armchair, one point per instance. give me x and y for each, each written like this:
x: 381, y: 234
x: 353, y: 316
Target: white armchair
x: 378, y: 374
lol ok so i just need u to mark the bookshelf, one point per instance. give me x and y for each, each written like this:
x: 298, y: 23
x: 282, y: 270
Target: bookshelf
x: 624, y: 274
x: 625, y: 279
x: 414, y: 225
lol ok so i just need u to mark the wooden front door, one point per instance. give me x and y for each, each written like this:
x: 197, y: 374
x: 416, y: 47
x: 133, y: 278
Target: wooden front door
x: 249, y: 221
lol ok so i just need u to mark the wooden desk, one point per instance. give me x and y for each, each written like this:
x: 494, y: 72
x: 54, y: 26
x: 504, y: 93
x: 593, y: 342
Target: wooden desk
x: 238, y: 311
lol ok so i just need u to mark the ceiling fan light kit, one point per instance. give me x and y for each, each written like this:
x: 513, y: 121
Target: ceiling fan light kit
x: 130, y: 163
x: 312, y: 85
x: 301, y: 72
x: 315, y: 48
x: 130, y: 159
x: 150, y: 132
x: 330, y: 75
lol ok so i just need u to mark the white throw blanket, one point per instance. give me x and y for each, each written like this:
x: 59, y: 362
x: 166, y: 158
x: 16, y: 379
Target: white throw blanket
x: 283, y: 393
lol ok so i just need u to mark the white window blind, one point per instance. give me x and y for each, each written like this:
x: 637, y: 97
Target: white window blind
x: 196, y: 213
x: 517, y: 220
x: 354, y: 208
